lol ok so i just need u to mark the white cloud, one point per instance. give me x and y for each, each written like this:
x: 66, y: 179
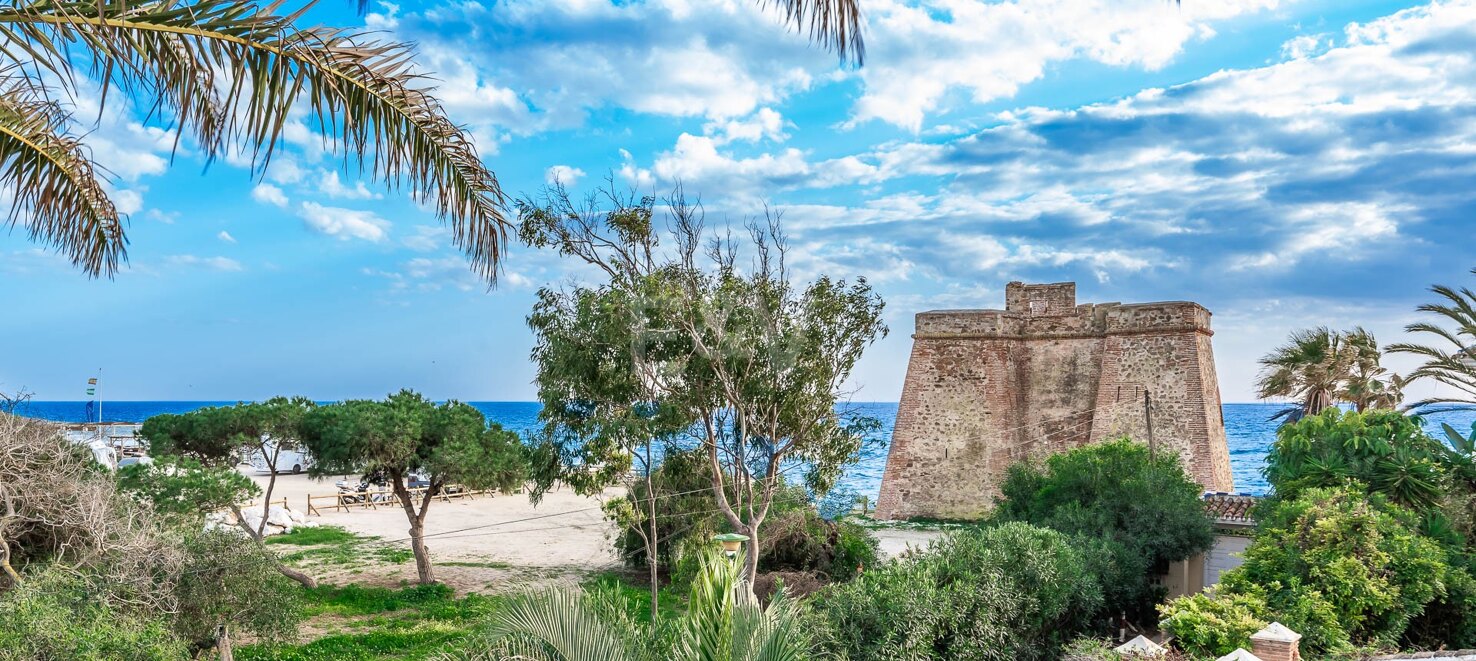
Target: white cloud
x: 166, y: 217
x: 766, y: 124
x: 344, y: 223
x: 329, y: 184
x: 919, y: 52
x: 216, y: 263
x: 269, y: 194
x: 562, y: 174
x: 427, y: 238
x: 225, y: 236
x: 128, y: 201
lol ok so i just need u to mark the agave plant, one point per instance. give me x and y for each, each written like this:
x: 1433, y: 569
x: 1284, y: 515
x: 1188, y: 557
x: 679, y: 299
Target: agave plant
x: 719, y: 625
x: 1451, y: 357
x: 228, y: 74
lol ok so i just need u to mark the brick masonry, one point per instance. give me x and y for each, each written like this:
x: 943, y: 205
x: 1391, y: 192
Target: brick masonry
x: 987, y: 388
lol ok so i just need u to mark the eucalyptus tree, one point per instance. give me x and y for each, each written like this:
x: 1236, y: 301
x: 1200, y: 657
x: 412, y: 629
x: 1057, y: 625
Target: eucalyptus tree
x: 599, y: 381
x: 229, y: 75
x: 219, y: 438
x: 1320, y: 367
x: 406, y: 434
x: 753, y: 365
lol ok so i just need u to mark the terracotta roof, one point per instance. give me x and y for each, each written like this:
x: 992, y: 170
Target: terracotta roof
x: 1230, y: 508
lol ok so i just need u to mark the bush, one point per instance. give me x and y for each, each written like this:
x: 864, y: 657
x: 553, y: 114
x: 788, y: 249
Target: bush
x: 1212, y: 624
x: 54, y: 615
x: 1014, y: 591
x: 1385, y: 451
x: 1138, y: 513
x: 794, y: 538
x: 1450, y: 620
x: 1341, y: 568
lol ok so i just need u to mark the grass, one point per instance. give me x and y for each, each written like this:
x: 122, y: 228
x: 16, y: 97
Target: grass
x: 412, y: 622
x: 332, y: 545
x: 637, y: 597
x: 315, y: 536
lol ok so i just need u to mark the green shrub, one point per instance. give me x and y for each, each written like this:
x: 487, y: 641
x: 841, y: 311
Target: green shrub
x: 1212, y: 624
x: 1450, y: 620
x: 793, y: 538
x: 1014, y: 591
x: 1385, y: 451
x: 53, y: 615
x: 799, y: 540
x: 1138, y: 513
x: 1342, y: 568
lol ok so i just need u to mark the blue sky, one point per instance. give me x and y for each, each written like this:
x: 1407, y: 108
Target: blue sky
x: 1285, y: 163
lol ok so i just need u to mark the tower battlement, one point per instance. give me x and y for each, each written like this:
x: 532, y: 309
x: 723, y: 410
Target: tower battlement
x: 987, y: 388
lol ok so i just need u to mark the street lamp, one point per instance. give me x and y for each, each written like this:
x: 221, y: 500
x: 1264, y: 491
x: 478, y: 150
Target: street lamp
x: 731, y: 542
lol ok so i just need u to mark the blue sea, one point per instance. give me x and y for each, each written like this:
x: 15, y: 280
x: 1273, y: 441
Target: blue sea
x: 1249, y: 432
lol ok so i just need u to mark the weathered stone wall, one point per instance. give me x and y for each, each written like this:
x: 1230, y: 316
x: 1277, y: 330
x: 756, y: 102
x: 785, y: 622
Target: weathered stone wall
x: 987, y: 388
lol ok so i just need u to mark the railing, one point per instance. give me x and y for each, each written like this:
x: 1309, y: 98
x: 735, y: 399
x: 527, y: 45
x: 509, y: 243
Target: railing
x: 377, y: 498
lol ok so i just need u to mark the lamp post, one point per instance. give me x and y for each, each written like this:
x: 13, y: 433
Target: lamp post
x: 733, y: 542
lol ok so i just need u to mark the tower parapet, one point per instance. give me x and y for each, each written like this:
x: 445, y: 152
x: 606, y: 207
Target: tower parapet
x: 987, y: 388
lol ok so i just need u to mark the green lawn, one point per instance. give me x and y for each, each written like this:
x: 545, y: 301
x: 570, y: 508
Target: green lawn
x: 381, y: 623
x: 414, y: 622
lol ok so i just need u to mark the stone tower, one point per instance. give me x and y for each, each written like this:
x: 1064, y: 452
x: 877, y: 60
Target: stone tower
x: 987, y: 388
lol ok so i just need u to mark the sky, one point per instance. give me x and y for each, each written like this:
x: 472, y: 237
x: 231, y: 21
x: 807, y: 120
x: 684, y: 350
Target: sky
x: 1285, y: 163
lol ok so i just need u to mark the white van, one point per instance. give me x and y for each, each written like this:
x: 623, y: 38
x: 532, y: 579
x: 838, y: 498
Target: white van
x: 288, y: 460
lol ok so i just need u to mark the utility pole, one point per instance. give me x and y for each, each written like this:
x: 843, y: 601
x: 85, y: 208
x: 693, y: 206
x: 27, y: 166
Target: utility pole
x: 1148, y: 417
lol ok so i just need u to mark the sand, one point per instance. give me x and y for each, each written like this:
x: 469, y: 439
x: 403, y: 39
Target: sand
x: 497, y: 543
x: 482, y: 543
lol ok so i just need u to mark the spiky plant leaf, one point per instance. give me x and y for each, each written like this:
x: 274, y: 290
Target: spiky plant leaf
x: 231, y: 74
x: 58, y: 197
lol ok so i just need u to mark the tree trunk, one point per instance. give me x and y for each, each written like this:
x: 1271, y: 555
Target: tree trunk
x: 750, y: 565
x: 652, y: 546
x: 266, y: 508
x: 304, y: 579
x: 10, y: 572
x: 223, y: 644
x: 417, y: 526
x: 422, y: 555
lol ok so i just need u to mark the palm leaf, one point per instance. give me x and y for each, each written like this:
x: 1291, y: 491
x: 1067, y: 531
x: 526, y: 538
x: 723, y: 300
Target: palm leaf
x: 58, y: 197
x: 834, y: 24
x: 556, y: 626
x: 364, y: 96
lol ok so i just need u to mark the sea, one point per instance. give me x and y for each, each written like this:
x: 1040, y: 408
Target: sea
x: 1249, y: 432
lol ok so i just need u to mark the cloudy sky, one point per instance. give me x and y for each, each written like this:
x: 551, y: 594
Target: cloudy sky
x: 1286, y: 163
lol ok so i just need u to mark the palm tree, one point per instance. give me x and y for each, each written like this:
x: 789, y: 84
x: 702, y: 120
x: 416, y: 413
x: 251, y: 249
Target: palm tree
x: 228, y: 73
x: 1451, y: 358
x: 1319, y: 367
x: 718, y: 626
x: 1369, y: 385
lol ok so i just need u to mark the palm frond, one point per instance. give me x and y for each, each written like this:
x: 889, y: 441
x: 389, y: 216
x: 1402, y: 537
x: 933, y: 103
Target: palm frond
x: 556, y: 626
x: 834, y: 24
x: 231, y: 73
x: 58, y: 197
